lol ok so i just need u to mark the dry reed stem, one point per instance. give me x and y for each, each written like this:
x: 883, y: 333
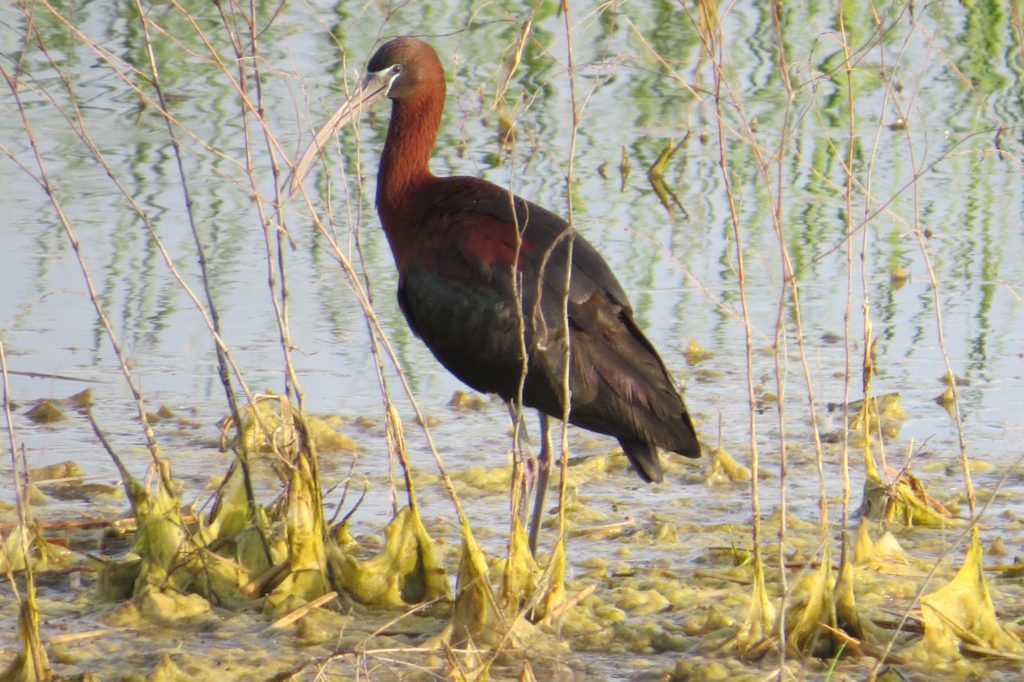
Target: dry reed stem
x: 913, y: 186
x: 302, y: 611
x: 77, y: 125
x: 361, y: 287
x: 69, y: 637
x: 857, y: 186
x: 209, y: 310
x: 761, y: 615
x: 32, y: 646
x: 69, y: 231
x: 844, y: 453
x: 766, y: 160
x: 518, y: 424
x: 378, y: 333
x: 563, y: 479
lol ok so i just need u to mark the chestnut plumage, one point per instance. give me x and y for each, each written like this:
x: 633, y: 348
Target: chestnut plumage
x: 464, y: 246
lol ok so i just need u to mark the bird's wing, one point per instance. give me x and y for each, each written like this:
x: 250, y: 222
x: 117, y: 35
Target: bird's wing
x: 462, y: 298
x: 620, y: 385
x: 544, y: 249
x: 492, y: 236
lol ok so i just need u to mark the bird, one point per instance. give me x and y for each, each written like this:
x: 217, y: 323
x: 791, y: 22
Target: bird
x: 490, y: 282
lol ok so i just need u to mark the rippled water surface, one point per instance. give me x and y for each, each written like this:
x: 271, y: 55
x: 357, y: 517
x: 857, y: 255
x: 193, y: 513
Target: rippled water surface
x: 930, y: 119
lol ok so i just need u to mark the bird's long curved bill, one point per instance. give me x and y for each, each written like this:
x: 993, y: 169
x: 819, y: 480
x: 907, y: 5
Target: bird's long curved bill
x: 372, y: 89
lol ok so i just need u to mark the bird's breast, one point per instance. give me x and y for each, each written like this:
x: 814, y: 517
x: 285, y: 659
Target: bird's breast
x: 473, y: 330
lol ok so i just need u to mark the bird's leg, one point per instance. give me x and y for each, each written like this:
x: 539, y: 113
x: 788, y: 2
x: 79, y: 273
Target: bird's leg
x: 541, y: 486
x: 522, y: 463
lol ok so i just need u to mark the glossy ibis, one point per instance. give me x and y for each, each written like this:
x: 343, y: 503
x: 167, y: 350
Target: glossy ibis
x: 463, y: 246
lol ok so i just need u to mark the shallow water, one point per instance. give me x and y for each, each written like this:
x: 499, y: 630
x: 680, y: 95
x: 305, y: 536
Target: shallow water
x: 931, y: 90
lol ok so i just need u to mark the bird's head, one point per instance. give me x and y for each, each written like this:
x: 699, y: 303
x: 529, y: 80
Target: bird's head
x: 402, y: 69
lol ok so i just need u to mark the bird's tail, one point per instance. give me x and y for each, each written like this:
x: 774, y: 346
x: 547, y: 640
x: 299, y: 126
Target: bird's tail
x: 645, y: 460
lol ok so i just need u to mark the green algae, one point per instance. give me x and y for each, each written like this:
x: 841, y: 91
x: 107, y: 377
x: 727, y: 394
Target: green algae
x: 43, y: 554
x: 262, y: 423
x: 632, y: 610
x: 903, y: 501
x: 46, y: 412
x: 696, y: 353
x: 811, y: 605
x: 406, y: 571
x: 725, y: 469
x: 463, y: 401
x: 507, y: 610
x: 960, y: 615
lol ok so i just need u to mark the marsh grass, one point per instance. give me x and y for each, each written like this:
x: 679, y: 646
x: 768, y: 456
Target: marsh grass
x: 787, y: 598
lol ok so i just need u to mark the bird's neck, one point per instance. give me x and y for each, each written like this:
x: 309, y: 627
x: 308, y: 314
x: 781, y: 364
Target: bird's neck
x: 405, y: 162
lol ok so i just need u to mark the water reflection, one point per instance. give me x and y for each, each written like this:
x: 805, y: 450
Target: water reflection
x: 631, y: 101
x: 947, y: 75
x: 930, y: 121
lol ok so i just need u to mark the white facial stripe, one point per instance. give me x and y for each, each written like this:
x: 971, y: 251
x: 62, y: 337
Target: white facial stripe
x: 390, y: 75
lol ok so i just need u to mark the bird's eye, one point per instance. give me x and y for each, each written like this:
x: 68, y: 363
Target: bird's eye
x: 391, y: 73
